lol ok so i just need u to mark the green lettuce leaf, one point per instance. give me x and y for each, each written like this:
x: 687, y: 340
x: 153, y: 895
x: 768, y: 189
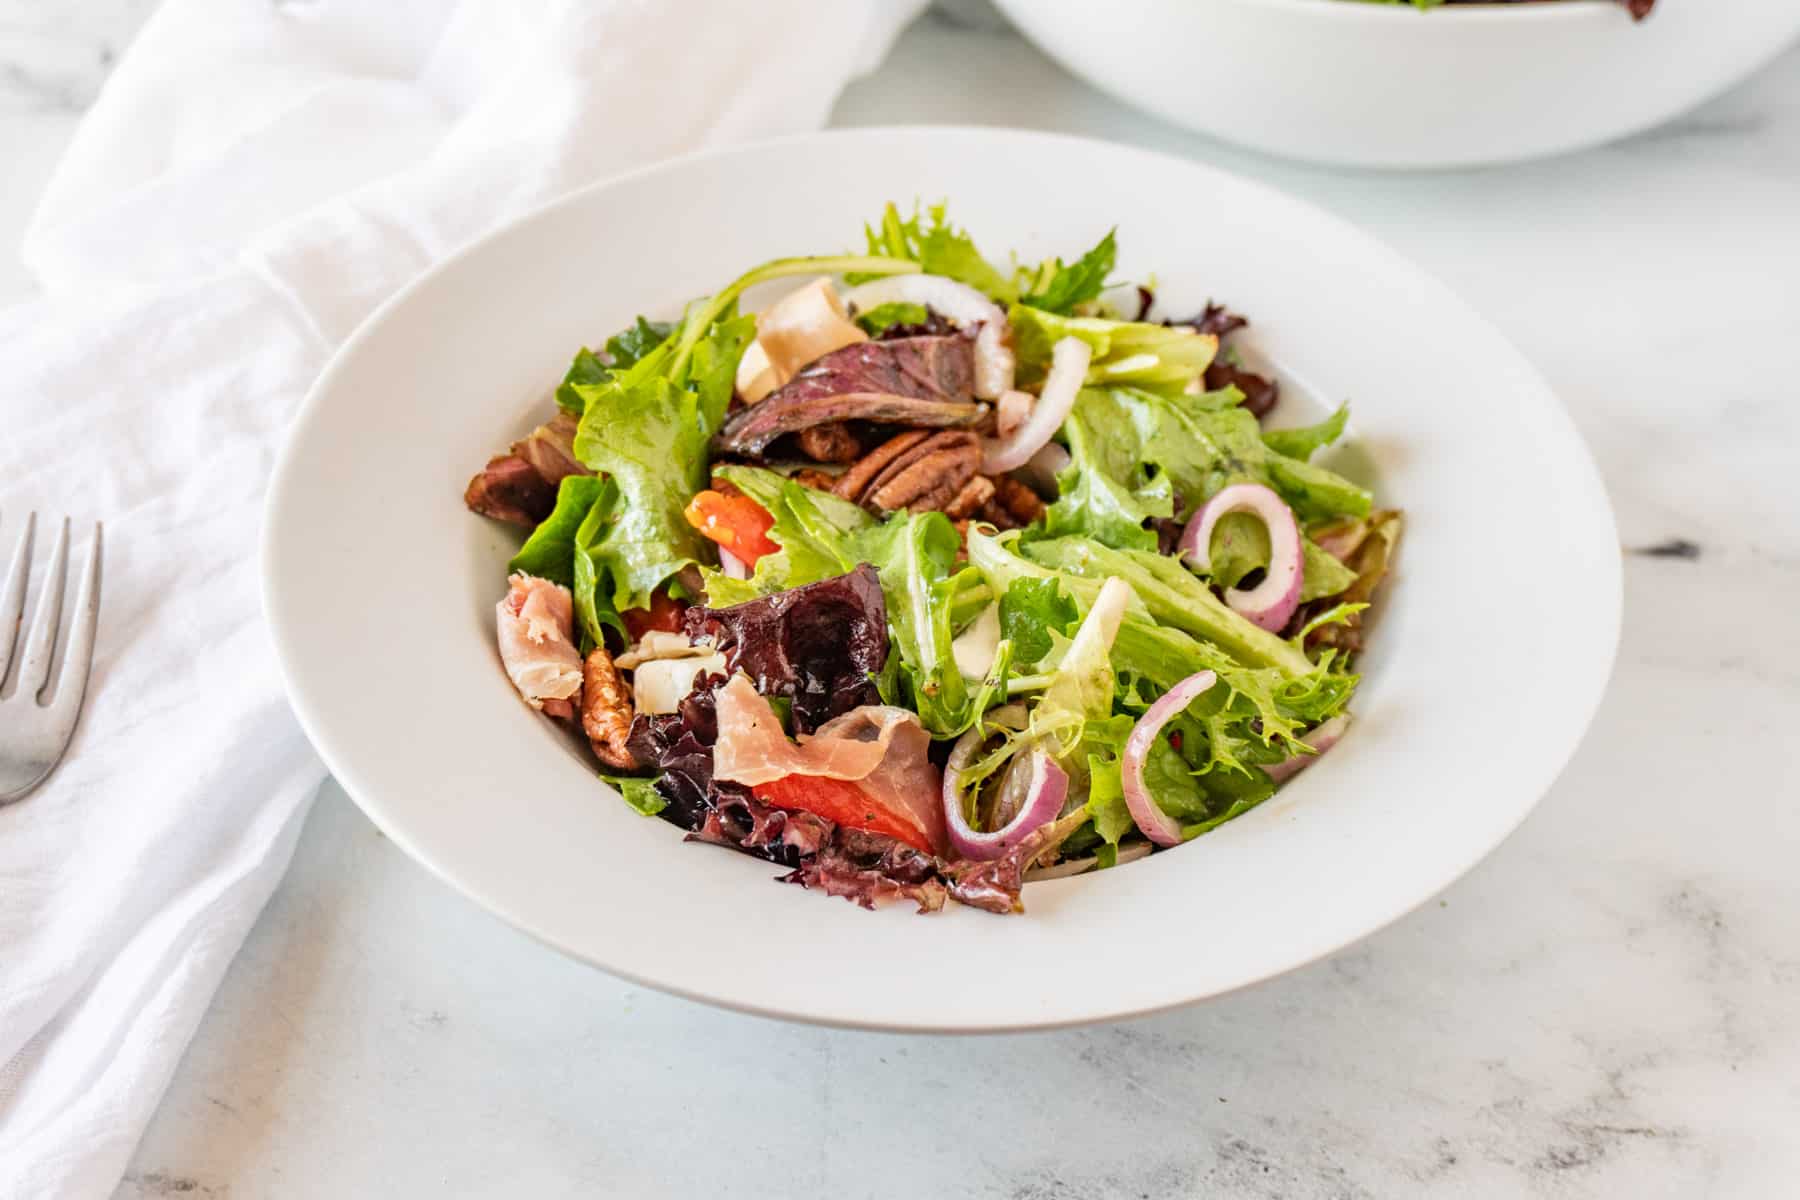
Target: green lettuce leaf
x: 647, y: 428
x: 877, y: 320
x: 549, y: 553
x: 1304, y: 442
x: 628, y: 346
x: 1251, y: 717
x: 1264, y: 711
x: 1080, y: 691
x: 1271, y: 703
x: 1240, y: 544
x: 1064, y: 287
x: 1174, y: 597
x: 1106, y: 798
x: 915, y: 555
x: 595, y: 602
x: 815, y: 530
x: 1172, y: 783
x: 1162, y: 358
x: 938, y: 247
x: 1105, y: 492
x: 1198, y: 444
x: 1032, y: 611
x: 1321, y: 574
x: 1237, y: 808
x: 623, y: 349
x: 649, y: 438
x: 585, y: 371
x: 711, y: 370
x: 641, y: 794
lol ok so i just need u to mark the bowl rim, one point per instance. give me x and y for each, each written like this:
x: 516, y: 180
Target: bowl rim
x: 279, y: 613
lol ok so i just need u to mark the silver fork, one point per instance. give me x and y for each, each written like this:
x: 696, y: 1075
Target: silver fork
x: 36, y: 721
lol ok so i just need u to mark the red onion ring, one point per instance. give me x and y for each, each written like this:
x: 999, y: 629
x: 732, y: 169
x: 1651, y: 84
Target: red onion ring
x: 962, y: 304
x: 1045, y: 794
x: 731, y: 566
x: 1157, y: 825
x: 1040, y: 472
x: 1320, y: 737
x: 1068, y: 370
x: 1270, y: 603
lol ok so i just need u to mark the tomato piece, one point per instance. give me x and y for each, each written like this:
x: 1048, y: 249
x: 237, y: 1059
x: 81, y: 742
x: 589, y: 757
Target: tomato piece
x: 839, y: 801
x: 664, y: 615
x: 736, y: 522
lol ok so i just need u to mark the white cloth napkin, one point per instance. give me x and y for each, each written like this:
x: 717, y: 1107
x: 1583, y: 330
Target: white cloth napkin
x: 255, y: 178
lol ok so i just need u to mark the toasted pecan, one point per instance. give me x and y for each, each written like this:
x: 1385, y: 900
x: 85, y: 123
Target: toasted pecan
x: 966, y: 503
x: 1016, y: 500
x: 833, y: 443
x: 606, y: 710
x: 854, y: 482
x: 928, y: 476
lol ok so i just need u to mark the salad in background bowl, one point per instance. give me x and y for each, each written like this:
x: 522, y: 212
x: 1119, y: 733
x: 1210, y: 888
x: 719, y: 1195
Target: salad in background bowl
x: 1383, y: 84
x: 932, y: 576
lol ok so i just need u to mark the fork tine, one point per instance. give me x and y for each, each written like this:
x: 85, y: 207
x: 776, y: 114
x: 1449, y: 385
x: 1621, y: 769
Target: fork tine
x: 12, y: 596
x: 34, y: 672
x: 79, y: 656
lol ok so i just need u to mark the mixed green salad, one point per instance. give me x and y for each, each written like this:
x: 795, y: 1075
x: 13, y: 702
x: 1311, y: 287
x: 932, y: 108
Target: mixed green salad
x: 935, y: 575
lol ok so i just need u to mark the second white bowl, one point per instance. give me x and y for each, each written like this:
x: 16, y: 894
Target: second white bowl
x: 1390, y: 86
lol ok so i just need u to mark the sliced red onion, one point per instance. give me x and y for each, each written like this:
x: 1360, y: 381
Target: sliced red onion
x: 1157, y: 825
x: 1068, y: 368
x: 1270, y: 603
x: 1045, y: 792
x: 1321, y: 738
x: 1079, y: 866
x: 1039, y: 474
x: 962, y: 304
x: 731, y: 565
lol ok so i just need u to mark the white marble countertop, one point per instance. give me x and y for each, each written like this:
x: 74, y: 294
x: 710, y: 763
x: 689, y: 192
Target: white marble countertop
x: 1609, y: 1006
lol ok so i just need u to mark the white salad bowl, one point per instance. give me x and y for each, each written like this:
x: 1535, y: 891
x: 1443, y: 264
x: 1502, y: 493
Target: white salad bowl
x: 1495, y: 639
x: 1388, y: 85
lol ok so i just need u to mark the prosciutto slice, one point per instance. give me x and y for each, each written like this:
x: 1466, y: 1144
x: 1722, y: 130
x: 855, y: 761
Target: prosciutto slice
x: 882, y: 749
x: 535, y: 623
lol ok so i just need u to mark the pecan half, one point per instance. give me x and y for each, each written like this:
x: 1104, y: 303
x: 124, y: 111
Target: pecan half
x: 929, y: 477
x: 606, y: 710
x: 852, y: 484
x: 831, y: 443
x: 814, y: 478
x: 966, y: 503
x: 1013, y: 505
x: 913, y: 471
